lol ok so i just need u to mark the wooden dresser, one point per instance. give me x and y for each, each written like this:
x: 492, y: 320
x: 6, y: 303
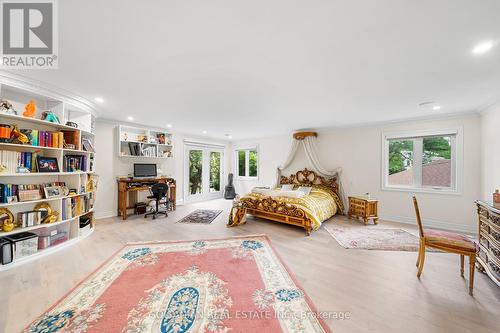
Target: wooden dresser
x: 489, y: 240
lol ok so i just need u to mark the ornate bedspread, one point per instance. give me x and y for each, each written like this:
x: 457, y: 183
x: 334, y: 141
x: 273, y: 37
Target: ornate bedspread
x: 321, y: 204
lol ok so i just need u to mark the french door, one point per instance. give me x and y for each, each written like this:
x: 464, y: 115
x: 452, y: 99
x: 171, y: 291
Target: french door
x: 203, y: 172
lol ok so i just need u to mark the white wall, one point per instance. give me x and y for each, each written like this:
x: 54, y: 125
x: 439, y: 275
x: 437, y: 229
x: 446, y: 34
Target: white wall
x: 358, y: 152
x: 490, y: 154
x: 109, y: 166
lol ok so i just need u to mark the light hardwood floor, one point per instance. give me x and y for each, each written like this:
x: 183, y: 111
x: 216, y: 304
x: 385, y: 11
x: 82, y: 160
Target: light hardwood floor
x: 378, y: 288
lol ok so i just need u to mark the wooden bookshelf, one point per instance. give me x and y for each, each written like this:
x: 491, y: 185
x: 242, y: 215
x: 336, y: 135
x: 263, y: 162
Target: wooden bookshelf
x: 66, y: 110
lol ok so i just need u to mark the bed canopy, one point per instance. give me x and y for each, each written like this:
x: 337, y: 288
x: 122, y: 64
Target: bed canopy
x: 308, y: 141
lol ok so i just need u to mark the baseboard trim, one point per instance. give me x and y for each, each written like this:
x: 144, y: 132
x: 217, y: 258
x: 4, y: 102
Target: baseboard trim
x: 104, y: 215
x: 430, y: 223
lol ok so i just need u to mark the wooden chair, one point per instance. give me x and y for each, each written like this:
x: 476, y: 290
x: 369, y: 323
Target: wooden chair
x: 447, y: 242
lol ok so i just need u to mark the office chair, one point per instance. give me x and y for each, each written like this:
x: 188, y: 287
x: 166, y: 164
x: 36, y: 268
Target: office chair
x: 158, y: 191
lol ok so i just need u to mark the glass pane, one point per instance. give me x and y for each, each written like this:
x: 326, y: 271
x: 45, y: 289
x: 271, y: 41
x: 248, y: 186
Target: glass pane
x: 214, y: 171
x: 401, y: 162
x: 436, y: 161
x: 195, y: 171
x: 241, y: 163
x: 252, y: 163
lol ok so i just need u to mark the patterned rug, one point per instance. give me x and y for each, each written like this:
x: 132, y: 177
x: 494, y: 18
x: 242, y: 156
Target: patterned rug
x: 357, y: 236
x: 227, y: 285
x: 204, y: 216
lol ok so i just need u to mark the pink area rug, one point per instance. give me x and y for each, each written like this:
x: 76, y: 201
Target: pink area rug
x: 357, y: 236
x: 227, y: 285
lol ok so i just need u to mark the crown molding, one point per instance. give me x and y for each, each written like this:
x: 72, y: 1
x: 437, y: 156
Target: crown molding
x: 48, y: 90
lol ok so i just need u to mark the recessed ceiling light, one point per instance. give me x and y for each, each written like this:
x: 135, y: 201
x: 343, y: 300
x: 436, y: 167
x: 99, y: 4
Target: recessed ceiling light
x: 169, y: 125
x: 130, y: 118
x: 483, y: 47
x: 99, y: 99
x: 437, y: 107
x: 204, y: 132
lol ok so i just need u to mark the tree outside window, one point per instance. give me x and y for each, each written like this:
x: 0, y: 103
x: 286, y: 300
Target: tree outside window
x: 421, y: 162
x: 247, y: 162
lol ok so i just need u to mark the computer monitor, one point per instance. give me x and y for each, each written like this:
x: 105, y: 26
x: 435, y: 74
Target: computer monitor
x: 142, y: 170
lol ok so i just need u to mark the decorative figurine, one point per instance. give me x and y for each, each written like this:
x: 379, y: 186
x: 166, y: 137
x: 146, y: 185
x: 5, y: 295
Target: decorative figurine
x: 7, y: 220
x: 50, y: 117
x: 18, y: 137
x: 51, y: 216
x: 161, y: 138
x: 72, y: 124
x: 30, y: 109
x: 6, y: 107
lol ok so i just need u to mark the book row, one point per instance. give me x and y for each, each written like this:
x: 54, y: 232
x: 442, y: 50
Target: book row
x: 13, y: 160
x: 73, y: 163
x: 25, y: 192
x: 72, y: 207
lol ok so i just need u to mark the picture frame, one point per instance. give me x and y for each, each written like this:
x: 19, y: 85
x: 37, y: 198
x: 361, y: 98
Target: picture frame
x: 47, y: 164
x: 55, y: 191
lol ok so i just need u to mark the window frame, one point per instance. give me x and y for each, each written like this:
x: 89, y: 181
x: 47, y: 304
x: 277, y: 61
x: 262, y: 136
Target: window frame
x: 456, y: 161
x: 247, y: 150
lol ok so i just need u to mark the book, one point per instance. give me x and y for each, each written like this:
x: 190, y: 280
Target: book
x: 87, y: 145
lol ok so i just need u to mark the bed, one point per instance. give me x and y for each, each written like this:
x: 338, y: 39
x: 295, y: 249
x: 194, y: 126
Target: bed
x: 307, y: 212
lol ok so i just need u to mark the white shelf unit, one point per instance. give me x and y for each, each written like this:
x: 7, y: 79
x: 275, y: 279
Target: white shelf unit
x: 145, y: 143
x: 75, y: 180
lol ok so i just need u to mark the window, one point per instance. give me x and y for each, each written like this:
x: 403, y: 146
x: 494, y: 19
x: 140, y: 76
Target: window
x: 424, y: 161
x: 247, y: 161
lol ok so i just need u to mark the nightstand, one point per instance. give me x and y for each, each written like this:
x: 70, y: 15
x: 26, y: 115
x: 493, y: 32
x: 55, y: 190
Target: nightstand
x: 363, y: 208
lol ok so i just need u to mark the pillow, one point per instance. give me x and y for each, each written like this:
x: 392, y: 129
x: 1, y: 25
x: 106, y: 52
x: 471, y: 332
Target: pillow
x: 287, y: 187
x: 305, y: 189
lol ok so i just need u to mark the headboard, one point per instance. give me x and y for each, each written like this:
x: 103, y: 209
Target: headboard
x: 308, y: 178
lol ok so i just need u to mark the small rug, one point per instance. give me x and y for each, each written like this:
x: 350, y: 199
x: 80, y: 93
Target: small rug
x: 237, y: 284
x: 204, y: 216
x: 373, y: 238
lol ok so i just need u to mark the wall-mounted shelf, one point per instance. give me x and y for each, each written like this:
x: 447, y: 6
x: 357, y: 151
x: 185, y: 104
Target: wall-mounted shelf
x: 76, y: 165
x: 144, y: 143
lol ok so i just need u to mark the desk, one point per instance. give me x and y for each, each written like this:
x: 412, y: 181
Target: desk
x: 134, y: 185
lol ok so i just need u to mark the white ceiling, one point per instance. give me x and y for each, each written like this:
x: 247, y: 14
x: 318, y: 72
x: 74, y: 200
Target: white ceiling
x: 265, y: 67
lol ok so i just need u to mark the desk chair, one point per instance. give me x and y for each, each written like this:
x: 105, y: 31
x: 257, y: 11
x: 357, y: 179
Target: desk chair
x: 447, y: 242
x: 159, y: 191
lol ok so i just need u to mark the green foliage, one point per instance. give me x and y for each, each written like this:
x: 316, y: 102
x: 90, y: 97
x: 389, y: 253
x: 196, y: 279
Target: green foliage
x: 436, y: 147
x: 400, y: 155
x: 215, y: 171
x: 401, y: 152
x: 252, y: 163
x: 195, y: 171
x: 241, y: 163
